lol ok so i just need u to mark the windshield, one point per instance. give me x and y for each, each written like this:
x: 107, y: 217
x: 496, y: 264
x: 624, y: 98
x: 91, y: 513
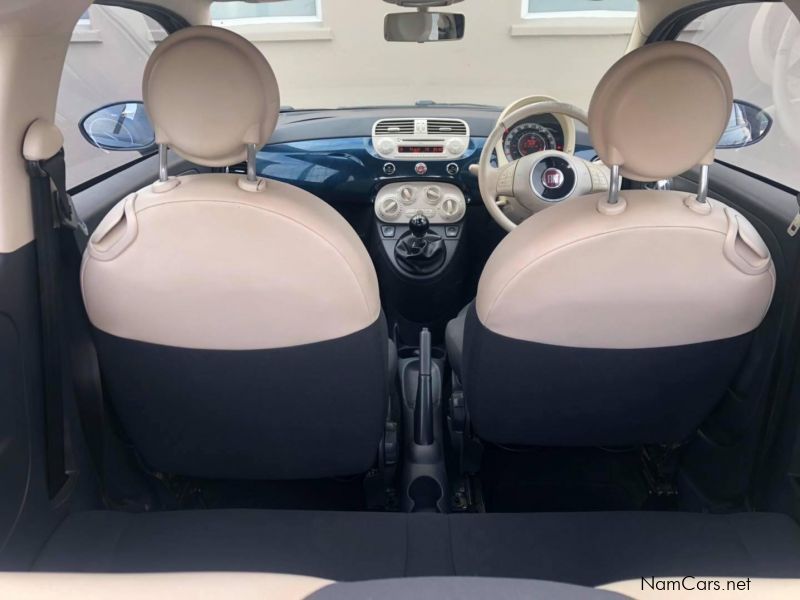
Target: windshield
x: 332, y: 53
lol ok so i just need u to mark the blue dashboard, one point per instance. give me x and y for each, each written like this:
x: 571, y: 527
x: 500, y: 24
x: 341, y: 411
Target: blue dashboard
x: 341, y: 170
x: 348, y: 170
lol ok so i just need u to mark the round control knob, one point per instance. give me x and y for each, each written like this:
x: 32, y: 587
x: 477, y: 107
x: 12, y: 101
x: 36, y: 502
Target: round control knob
x: 386, y: 146
x: 455, y: 146
x: 433, y: 194
x: 451, y: 208
x: 407, y: 195
x: 389, y: 208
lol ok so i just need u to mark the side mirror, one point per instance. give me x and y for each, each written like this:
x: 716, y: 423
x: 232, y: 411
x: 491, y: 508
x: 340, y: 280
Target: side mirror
x: 748, y: 124
x: 423, y: 26
x: 123, y: 126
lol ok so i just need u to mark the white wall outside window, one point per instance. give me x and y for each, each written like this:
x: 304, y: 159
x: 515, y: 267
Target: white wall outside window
x: 245, y: 13
x: 85, y: 20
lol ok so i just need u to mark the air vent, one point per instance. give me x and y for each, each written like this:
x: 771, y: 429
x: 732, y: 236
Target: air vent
x: 394, y: 127
x: 446, y: 127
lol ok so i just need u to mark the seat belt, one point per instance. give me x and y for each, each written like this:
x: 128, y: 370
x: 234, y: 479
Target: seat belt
x: 69, y: 361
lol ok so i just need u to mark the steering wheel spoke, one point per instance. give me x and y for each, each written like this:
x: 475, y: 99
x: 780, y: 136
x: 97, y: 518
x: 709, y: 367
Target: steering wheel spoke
x: 504, y: 184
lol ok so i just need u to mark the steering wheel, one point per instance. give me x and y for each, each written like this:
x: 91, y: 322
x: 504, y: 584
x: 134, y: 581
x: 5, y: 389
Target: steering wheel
x: 785, y: 73
x: 540, y: 179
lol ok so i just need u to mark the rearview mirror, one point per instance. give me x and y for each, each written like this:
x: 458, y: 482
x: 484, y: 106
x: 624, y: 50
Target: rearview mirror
x: 123, y: 126
x: 747, y: 125
x: 423, y: 26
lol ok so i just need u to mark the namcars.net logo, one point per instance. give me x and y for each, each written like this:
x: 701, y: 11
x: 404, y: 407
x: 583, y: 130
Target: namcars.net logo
x: 691, y: 583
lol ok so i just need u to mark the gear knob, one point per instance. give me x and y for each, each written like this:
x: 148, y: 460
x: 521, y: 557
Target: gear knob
x: 419, y: 225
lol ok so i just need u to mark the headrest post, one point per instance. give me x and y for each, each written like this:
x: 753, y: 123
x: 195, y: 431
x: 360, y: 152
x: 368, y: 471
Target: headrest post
x: 702, y: 186
x: 251, y: 162
x: 613, y: 187
x: 163, y: 174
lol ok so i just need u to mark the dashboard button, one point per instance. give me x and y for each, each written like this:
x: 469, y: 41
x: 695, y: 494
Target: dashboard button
x: 420, y: 168
x: 452, y: 169
x: 407, y: 195
x: 388, y: 231
x: 451, y: 231
x: 389, y: 169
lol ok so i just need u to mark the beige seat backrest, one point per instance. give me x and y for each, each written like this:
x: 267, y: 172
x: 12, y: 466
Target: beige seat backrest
x: 647, y: 268
x: 237, y: 318
x: 200, y: 261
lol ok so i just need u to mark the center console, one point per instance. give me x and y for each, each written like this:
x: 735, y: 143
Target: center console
x: 420, y: 208
x: 420, y: 225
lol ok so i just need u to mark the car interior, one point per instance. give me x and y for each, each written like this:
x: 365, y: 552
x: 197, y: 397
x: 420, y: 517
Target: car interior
x: 404, y: 351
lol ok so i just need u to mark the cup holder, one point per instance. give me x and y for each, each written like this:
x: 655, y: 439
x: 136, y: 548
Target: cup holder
x: 425, y: 493
x: 409, y: 352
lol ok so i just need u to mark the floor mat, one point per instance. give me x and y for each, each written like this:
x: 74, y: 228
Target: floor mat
x: 561, y: 479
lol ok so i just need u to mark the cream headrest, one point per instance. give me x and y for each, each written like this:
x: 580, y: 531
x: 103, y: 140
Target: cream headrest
x: 209, y: 92
x: 660, y: 110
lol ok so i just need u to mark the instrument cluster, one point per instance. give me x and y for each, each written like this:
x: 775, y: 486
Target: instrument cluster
x: 542, y: 132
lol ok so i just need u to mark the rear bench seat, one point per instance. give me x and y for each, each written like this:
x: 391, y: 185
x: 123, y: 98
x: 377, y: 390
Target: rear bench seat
x: 581, y: 548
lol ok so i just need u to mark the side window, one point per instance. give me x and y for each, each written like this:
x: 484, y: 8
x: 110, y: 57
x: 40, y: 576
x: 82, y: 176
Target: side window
x: 532, y: 9
x: 287, y: 11
x: 758, y: 44
x: 104, y: 65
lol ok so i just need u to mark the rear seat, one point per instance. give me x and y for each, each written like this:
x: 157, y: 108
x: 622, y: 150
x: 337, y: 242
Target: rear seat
x: 580, y: 548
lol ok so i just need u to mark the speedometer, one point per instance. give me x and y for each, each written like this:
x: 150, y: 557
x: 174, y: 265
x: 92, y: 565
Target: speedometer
x: 527, y: 138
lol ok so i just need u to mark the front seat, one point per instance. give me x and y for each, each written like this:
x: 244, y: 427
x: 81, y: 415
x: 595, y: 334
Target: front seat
x: 237, y: 319
x: 621, y: 318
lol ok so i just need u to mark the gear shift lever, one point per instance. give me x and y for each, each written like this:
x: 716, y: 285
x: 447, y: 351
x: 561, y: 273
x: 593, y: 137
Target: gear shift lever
x: 421, y: 251
x: 419, y: 226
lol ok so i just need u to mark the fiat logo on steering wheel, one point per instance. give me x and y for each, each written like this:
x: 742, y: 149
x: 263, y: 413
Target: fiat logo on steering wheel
x: 552, y: 178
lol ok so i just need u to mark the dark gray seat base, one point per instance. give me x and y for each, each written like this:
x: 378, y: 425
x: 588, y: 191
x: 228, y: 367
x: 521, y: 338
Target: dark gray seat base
x: 460, y: 588
x: 581, y: 548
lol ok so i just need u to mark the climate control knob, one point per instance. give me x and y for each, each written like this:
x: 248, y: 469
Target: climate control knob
x: 407, y: 195
x: 452, y: 209
x: 389, y: 208
x: 433, y: 194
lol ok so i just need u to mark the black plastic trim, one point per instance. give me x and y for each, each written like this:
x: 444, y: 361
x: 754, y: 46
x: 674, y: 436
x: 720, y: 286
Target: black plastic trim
x: 169, y: 20
x: 671, y: 26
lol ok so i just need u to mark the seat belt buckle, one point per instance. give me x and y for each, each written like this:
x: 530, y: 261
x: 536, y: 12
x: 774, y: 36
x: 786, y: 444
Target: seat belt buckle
x: 794, y: 226
x: 69, y: 216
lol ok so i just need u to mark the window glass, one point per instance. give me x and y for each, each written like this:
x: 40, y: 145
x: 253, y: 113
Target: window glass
x: 99, y: 70
x: 759, y: 44
x: 533, y: 8
x: 287, y: 10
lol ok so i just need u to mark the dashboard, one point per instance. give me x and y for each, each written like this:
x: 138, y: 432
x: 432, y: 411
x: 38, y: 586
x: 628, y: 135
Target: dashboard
x: 332, y: 154
x: 542, y: 132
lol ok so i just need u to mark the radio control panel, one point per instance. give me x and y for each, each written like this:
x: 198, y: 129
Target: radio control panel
x: 414, y: 139
x: 439, y: 202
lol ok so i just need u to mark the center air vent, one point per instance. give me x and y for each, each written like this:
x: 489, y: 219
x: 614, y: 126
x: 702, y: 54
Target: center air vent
x: 394, y: 127
x: 446, y: 127
x: 414, y: 139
